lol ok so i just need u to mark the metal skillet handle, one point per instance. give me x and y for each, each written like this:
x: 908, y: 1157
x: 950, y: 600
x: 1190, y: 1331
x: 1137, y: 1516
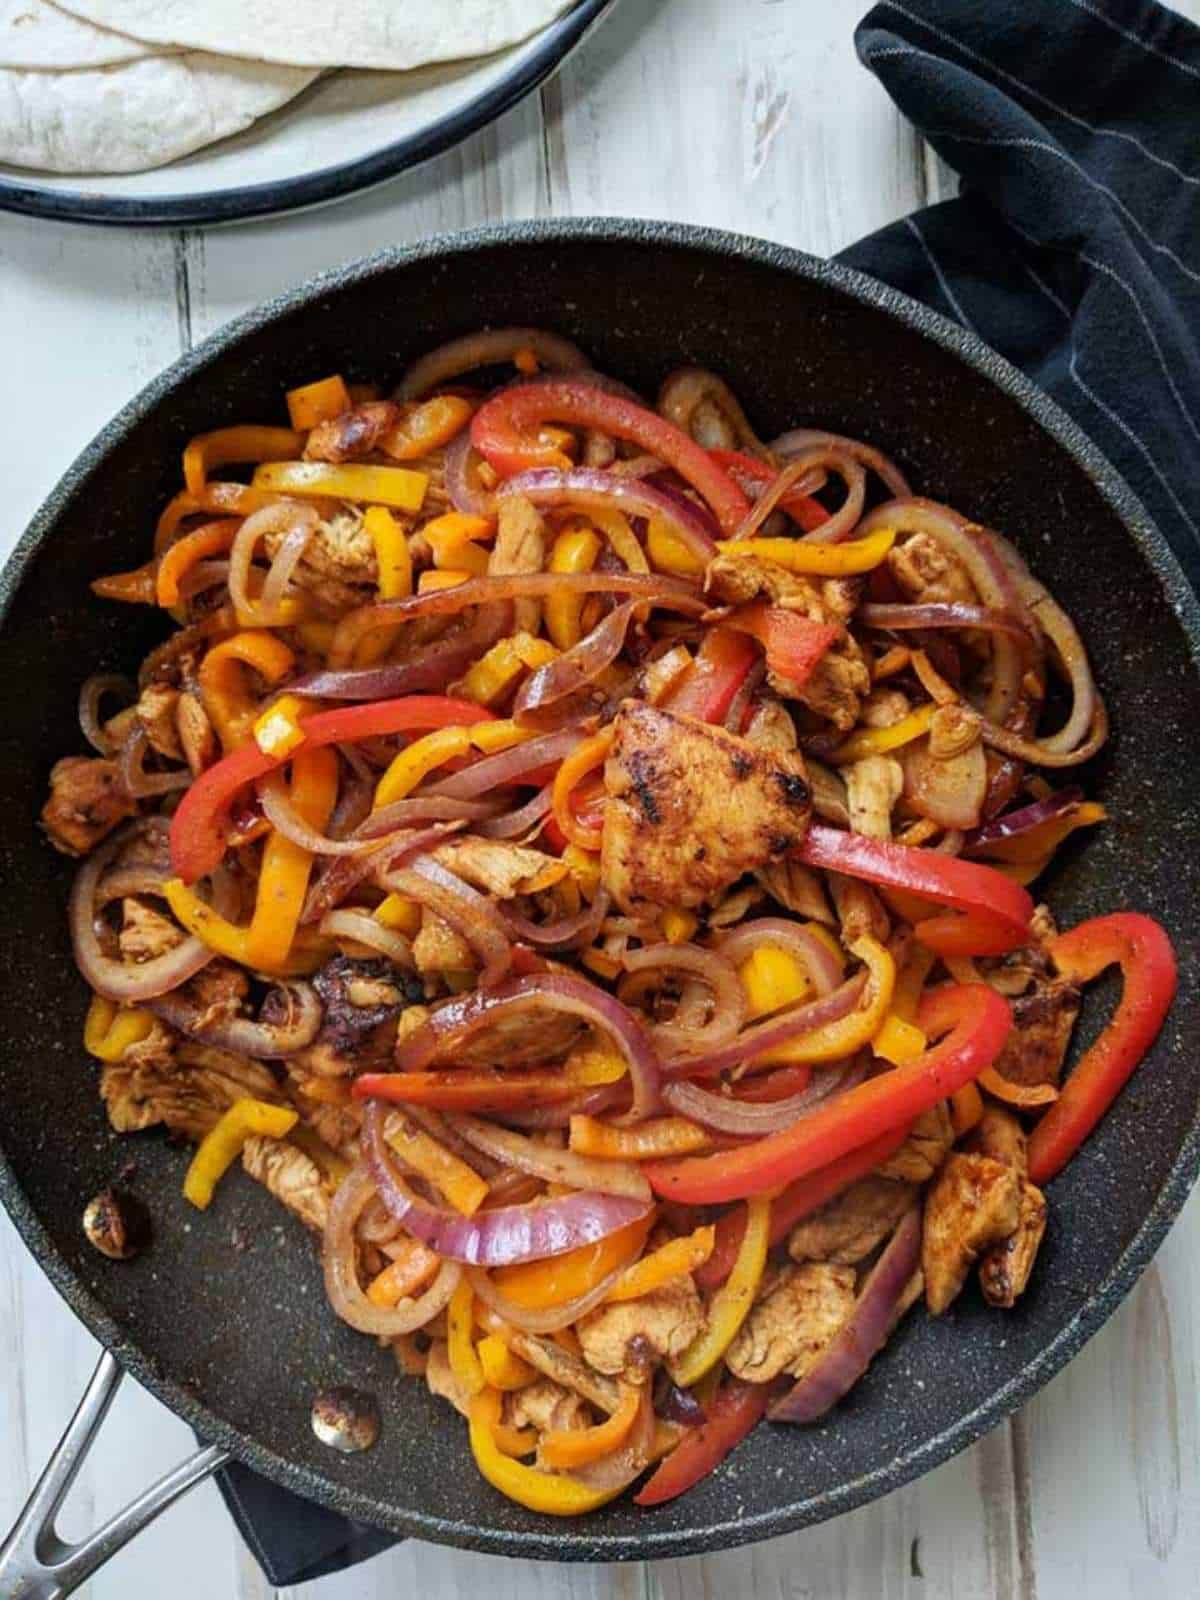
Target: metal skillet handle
x: 35, y: 1564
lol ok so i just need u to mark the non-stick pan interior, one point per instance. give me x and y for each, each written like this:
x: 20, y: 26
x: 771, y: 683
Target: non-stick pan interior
x: 225, y: 1316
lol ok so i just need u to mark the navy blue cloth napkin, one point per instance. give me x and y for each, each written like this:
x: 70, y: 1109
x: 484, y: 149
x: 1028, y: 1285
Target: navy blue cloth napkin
x: 1074, y: 250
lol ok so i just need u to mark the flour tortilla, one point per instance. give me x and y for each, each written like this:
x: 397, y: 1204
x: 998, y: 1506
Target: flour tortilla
x: 38, y: 36
x: 137, y: 114
x: 381, y: 34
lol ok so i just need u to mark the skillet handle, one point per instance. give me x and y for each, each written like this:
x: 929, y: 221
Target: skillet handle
x: 35, y: 1564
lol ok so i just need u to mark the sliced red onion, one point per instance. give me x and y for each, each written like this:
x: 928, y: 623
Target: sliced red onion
x: 674, y: 1404
x: 472, y: 915
x: 361, y: 928
x: 688, y: 390
x: 490, y: 347
x: 564, y: 933
x: 541, y: 1319
x: 507, y: 766
x: 437, y: 665
x: 463, y: 494
x: 773, y: 1033
x: 735, y: 717
x: 160, y: 665
x: 287, y: 517
x: 577, y: 667
x: 1014, y: 823
x: 940, y: 614
x: 265, y: 1041
x: 135, y: 780
x: 799, y: 439
x: 822, y: 966
x: 848, y: 1355
x: 949, y: 790
x: 340, y: 1253
x: 278, y: 581
x: 551, y: 1165
x: 588, y: 1103
x: 1039, y: 754
x: 344, y: 873
x: 129, y: 983
x: 756, y: 1118
x: 652, y: 588
x: 715, y: 972
x: 504, y: 1235
x: 840, y: 523
x: 90, y: 695
x: 593, y: 489
x: 515, y: 823
x: 454, y: 1023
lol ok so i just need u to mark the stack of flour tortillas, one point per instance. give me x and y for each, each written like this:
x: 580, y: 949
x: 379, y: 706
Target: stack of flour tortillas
x: 93, y: 86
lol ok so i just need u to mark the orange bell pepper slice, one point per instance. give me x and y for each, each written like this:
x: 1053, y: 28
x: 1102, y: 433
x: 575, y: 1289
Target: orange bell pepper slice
x: 576, y: 1447
x: 538, y: 1285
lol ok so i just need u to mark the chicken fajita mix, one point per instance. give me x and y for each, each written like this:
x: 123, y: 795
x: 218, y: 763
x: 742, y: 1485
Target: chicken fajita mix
x: 577, y: 857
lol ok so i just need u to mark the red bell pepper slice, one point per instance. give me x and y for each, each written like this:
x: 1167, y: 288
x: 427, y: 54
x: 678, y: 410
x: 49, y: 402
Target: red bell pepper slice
x: 748, y: 472
x: 1143, y: 951
x: 198, y: 828
x: 504, y: 431
x: 459, y: 1090
x: 798, y: 1200
x: 973, y: 1022
x: 707, y: 688
x: 998, y: 909
x: 794, y: 643
x: 735, y: 1410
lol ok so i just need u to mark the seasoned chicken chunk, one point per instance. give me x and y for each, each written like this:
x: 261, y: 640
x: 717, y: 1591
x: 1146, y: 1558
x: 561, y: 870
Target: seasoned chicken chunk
x: 1005, y: 1268
x: 86, y: 803
x: 859, y: 909
x: 352, y: 435
x: 691, y: 808
x: 520, y: 547
x: 928, y: 573
x: 443, y: 1380
x: 873, y: 785
x: 546, y: 1406
x: 998, y: 1134
x: 146, y: 933
x: 793, y: 1322
x: 975, y: 1202
x: 628, y: 1337
x: 797, y: 887
x: 338, y: 562
x: 923, y: 1152
x: 850, y: 1226
x: 196, y: 737
x: 156, y: 710
x: 291, y: 1176
x: 437, y: 948
x: 501, y: 868
x: 771, y: 727
x: 188, y: 1091
x: 1043, y: 1022
x: 841, y: 678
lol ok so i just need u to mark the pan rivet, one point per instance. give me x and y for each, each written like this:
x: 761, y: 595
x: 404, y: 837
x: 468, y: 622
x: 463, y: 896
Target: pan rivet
x: 117, y: 1224
x: 346, y: 1419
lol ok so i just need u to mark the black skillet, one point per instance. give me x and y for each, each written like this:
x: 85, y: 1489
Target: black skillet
x: 236, y: 1342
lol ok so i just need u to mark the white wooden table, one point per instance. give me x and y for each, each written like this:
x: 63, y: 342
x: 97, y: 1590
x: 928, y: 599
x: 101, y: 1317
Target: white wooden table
x: 752, y: 115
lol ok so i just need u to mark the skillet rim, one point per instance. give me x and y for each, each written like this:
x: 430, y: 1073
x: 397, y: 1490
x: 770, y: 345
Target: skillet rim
x: 574, y: 1542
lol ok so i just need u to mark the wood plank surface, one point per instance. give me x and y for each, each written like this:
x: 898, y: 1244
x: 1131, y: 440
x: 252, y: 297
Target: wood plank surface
x: 756, y: 117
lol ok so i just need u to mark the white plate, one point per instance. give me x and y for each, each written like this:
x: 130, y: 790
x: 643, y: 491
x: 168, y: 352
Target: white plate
x: 377, y: 123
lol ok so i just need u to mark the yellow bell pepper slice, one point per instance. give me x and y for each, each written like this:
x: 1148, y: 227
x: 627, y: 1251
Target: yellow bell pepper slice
x: 460, y: 1346
x: 850, y: 1033
x: 391, y: 553
x: 227, y: 699
x: 492, y: 737
x: 585, y: 758
x: 229, y: 445
x: 646, y: 1141
x: 584, y: 868
x: 817, y: 560
x: 400, y: 914
x: 731, y: 1304
x: 417, y: 760
x: 678, y: 926
x: 664, y: 1265
x: 462, y: 1186
x: 398, y: 487
x: 898, y: 1041
x: 427, y: 427
x: 494, y: 674
x: 222, y: 1145
x: 318, y: 402
x: 279, y: 730
x: 773, y: 979
x: 316, y: 635
x: 503, y: 1369
x: 110, y: 1029
x: 575, y: 550
x: 551, y: 1493
x: 286, y: 868
x: 878, y: 741
x: 668, y: 553
x: 433, y: 578
x: 454, y: 531
x: 602, y: 964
